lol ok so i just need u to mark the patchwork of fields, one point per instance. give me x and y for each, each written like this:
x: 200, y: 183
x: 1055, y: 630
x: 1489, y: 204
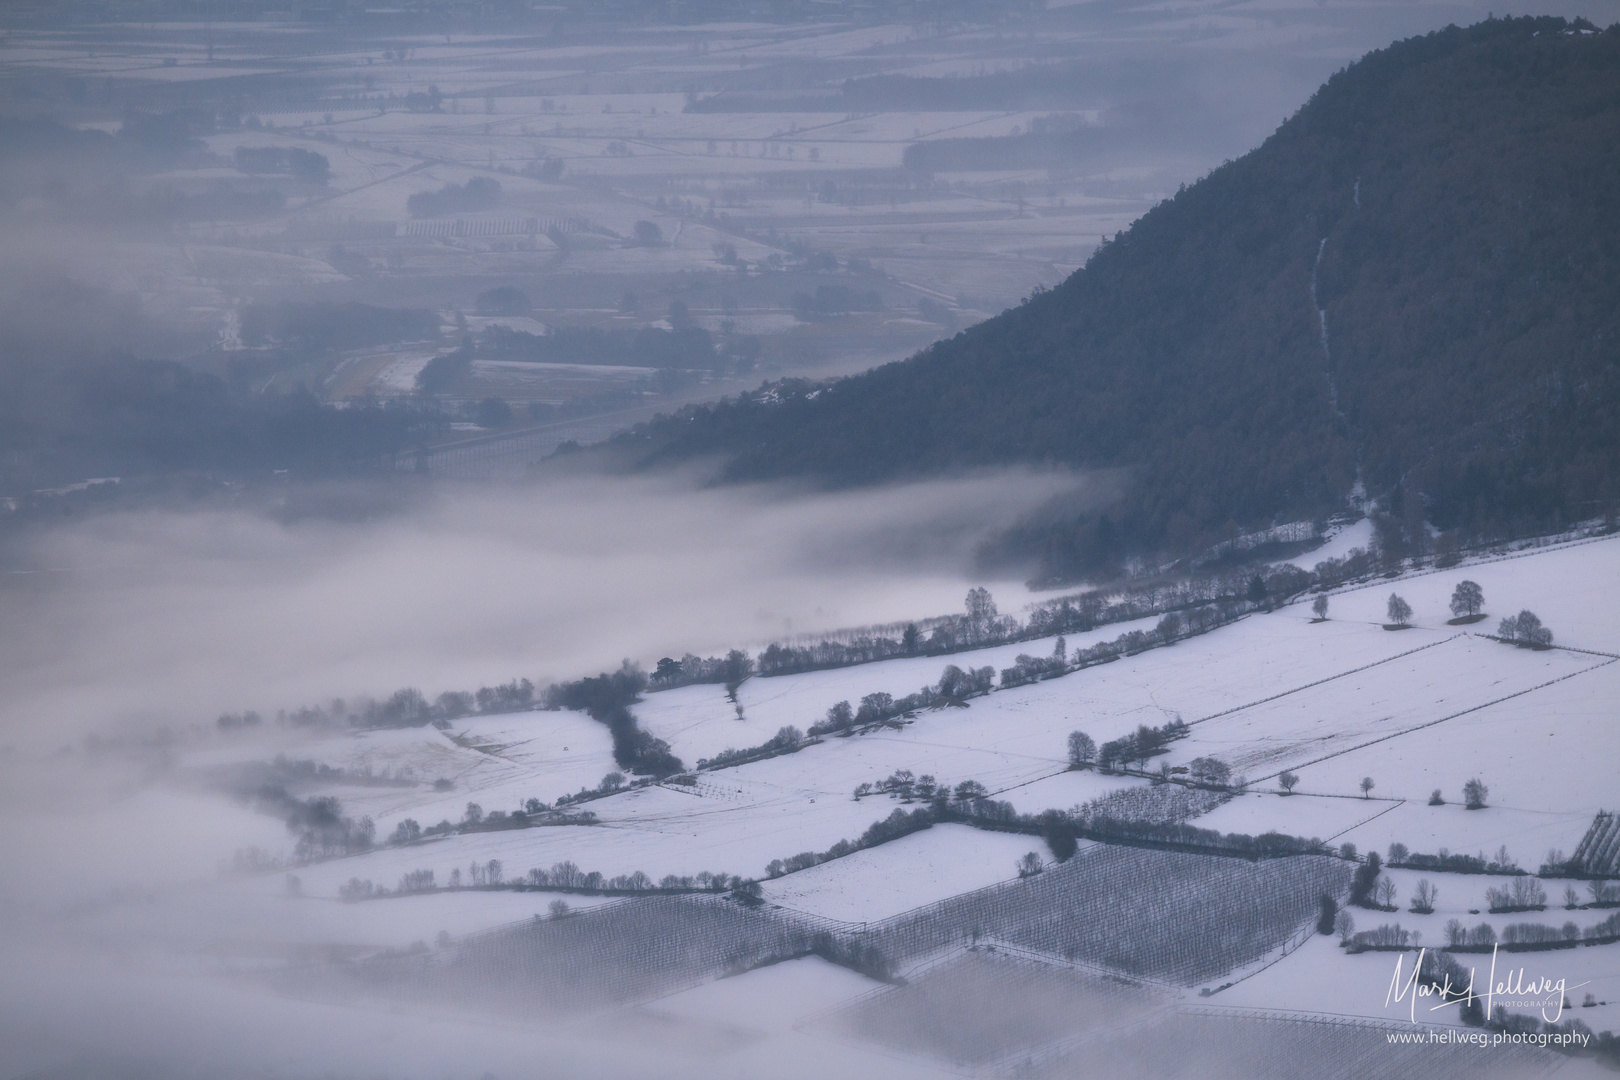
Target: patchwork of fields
x: 1332, y: 701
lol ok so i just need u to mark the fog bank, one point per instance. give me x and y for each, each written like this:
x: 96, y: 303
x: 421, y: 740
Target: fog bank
x: 165, y: 616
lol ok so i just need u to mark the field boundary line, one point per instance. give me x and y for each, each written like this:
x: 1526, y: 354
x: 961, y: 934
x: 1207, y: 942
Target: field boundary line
x: 1443, y: 719
x: 1328, y: 679
x: 1397, y: 805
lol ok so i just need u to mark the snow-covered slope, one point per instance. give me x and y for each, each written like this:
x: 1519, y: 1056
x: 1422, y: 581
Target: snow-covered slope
x: 1332, y: 701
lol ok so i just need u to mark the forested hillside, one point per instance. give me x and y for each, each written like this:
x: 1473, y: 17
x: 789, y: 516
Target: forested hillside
x: 1415, y: 280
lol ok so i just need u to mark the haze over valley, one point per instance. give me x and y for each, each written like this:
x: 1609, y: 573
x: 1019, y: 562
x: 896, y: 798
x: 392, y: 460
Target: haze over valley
x: 722, y: 539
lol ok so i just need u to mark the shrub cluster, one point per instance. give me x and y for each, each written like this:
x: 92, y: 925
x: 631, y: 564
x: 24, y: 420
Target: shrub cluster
x: 1522, y: 936
x: 1143, y: 743
x: 954, y: 686
x: 903, y: 785
x: 1448, y: 862
x: 1524, y: 630
x: 1540, y: 934
x: 320, y: 825
x: 787, y: 740
x: 1389, y: 935
x: 1522, y: 894
x: 404, y: 708
x: 898, y: 824
x: 1459, y: 936
x: 1163, y: 803
x: 566, y: 875
x: 1603, y: 932
x: 531, y: 814
x: 732, y: 669
x: 1027, y: 669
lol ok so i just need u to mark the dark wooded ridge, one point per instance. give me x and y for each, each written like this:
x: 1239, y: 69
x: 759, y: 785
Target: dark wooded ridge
x: 1414, y: 279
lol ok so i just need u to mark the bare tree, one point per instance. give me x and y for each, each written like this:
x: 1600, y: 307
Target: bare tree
x: 1286, y: 781
x: 1319, y: 606
x: 1475, y: 793
x: 1030, y: 865
x: 970, y: 791
x: 1210, y: 770
x: 1385, y: 892
x: 1082, y: 750
x: 1525, y: 629
x: 1423, y: 898
x: 1367, y: 785
x: 1399, y: 611
x: 1467, y: 600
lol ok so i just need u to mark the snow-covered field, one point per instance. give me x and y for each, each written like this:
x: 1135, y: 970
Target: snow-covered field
x: 940, y: 862
x: 1332, y: 701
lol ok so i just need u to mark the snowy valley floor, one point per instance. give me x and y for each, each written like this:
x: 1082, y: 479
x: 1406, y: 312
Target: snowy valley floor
x: 1331, y: 701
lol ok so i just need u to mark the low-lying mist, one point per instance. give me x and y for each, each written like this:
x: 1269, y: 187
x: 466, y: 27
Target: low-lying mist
x: 172, y: 616
x: 131, y: 619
